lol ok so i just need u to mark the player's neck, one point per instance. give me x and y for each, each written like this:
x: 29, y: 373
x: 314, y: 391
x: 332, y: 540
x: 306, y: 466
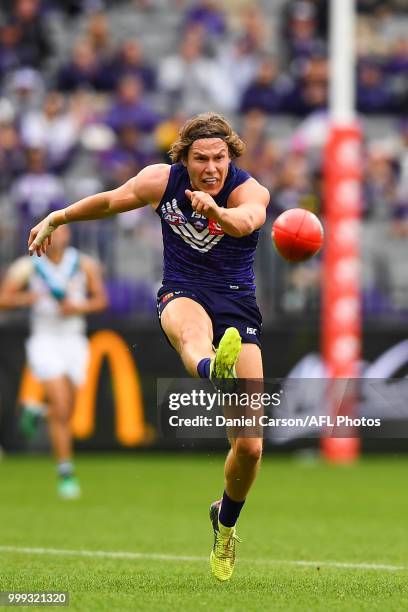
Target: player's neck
x: 56, y: 256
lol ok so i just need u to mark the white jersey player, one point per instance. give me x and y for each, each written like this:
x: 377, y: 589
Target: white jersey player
x: 60, y: 290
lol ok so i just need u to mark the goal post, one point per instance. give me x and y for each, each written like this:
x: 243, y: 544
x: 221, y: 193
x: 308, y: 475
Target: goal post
x: 341, y: 333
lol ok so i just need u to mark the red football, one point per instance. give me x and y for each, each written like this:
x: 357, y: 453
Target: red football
x: 297, y: 234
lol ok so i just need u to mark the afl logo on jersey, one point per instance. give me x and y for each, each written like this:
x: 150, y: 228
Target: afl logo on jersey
x: 172, y: 214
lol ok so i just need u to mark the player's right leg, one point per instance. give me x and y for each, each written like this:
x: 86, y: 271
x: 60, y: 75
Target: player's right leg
x: 189, y: 330
x: 226, y: 356
x: 60, y: 395
x: 47, y: 357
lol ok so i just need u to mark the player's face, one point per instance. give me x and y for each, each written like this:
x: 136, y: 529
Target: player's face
x: 207, y: 164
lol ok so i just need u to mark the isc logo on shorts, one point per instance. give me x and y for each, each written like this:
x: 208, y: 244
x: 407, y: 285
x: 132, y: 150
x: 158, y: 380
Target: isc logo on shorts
x: 251, y: 331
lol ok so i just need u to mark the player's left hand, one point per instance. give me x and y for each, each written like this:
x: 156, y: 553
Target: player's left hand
x: 203, y: 203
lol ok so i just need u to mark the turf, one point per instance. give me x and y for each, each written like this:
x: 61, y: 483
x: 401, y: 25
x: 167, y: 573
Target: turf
x: 158, y: 504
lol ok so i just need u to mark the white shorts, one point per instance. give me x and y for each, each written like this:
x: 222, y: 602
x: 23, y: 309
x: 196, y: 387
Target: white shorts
x: 51, y: 356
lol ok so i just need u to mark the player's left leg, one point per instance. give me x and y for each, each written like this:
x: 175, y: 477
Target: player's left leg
x: 244, y: 458
x: 60, y: 393
x: 241, y: 467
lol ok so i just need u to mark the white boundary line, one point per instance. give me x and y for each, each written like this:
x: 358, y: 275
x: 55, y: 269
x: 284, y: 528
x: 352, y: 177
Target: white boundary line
x: 164, y: 557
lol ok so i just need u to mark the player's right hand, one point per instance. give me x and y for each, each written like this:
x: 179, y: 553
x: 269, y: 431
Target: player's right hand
x: 40, y: 236
x: 24, y: 299
x: 68, y: 308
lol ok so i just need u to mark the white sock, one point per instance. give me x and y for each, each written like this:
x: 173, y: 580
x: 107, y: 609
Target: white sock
x: 65, y: 468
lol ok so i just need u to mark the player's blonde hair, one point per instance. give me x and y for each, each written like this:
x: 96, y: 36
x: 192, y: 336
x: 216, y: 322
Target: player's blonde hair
x: 205, y: 125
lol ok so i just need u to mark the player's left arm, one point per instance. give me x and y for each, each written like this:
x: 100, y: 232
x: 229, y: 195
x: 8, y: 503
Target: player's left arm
x: 245, y: 212
x: 97, y: 298
x: 246, y: 209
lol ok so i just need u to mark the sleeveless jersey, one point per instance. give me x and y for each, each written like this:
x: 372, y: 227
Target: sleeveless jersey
x: 52, y: 283
x: 196, y: 251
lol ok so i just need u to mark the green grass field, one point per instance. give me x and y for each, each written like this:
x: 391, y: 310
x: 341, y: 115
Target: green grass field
x: 156, y: 508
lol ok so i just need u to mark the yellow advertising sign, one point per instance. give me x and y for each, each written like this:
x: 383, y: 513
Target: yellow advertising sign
x: 130, y: 426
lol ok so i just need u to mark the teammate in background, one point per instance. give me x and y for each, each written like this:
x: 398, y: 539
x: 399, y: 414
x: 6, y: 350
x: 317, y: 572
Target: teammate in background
x: 60, y: 289
x: 210, y: 213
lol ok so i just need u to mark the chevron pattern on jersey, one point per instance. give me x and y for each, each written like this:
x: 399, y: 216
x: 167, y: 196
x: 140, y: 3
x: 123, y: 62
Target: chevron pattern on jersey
x: 201, y: 241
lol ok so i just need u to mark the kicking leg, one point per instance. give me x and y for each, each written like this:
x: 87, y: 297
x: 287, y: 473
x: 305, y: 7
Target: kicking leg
x: 189, y: 329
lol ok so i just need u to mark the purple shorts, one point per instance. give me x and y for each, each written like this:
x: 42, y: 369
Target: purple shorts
x: 234, y: 308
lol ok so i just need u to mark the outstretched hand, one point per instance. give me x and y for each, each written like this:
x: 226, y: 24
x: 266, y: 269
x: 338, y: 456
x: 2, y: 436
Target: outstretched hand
x: 40, y: 236
x: 203, y: 203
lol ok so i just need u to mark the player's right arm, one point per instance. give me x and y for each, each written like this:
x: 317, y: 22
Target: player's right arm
x: 145, y: 188
x: 13, y: 289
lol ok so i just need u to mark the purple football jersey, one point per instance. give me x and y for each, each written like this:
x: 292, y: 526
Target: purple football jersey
x: 196, y: 250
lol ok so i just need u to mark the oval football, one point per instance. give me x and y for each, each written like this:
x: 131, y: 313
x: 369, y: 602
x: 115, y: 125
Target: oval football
x: 297, y: 235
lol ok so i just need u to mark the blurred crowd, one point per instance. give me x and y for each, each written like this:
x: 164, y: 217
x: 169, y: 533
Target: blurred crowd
x: 93, y: 90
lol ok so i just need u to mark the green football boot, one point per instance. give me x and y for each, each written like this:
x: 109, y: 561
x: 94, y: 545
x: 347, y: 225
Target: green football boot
x: 30, y: 418
x: 69, y: 488
x: 223, y: 365
x: 222, y: 557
